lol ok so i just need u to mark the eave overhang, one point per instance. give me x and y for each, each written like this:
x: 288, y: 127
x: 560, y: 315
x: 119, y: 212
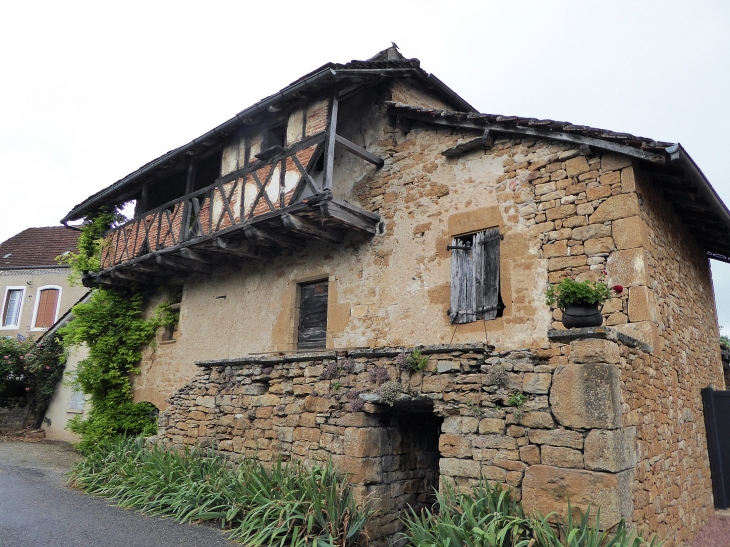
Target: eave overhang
x: 673, y: 171
x: 329, y: 76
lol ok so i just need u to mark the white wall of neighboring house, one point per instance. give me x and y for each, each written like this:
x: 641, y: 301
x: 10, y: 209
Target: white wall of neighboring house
x: 65, y: 403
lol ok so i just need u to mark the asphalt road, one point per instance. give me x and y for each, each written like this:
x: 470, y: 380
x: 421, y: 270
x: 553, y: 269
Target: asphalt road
x: 37, y: 509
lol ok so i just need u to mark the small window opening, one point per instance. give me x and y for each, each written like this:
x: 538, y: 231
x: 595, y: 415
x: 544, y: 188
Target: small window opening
x: 207, y: 171
x: 276, y: 136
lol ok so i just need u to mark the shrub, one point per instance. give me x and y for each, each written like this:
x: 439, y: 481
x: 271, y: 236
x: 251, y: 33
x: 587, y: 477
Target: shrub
x: 31, y: 371
x: 285, y: 505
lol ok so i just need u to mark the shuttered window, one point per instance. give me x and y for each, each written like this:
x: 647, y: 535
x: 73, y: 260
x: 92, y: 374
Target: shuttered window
x: 11, y: 309
x: 46, y: 313
x: 313, y: 316
x: 475, y: 277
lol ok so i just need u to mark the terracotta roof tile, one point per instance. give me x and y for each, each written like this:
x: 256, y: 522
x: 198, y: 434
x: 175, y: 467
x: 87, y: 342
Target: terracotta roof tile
x: 38, y: 246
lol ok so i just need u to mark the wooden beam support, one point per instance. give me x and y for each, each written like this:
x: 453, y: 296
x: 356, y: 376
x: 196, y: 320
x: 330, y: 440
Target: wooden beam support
x: 242, y: 249
x: 267, y: 237
x: 189, y: 185
x: 359, y: 151
x: 339, y: 213
x: 197, y: 256
x: 144, y: 279
x: 329, y: 158
x: 301, y: 226
x: 183, y: 264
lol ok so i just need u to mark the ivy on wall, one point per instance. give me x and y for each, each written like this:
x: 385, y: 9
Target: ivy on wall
x: 113, y: 327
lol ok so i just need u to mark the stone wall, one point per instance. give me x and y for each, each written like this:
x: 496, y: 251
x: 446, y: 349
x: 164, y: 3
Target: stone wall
x: 456, y: 420
x: 14, y: 414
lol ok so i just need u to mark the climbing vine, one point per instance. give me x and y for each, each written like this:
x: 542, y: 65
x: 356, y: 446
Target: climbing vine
x: 91, y: 241
x: 112, y: 325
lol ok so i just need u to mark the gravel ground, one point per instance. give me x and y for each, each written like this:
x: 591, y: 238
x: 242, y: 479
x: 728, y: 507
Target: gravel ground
x: 716, y: 533
x: 37, y: 508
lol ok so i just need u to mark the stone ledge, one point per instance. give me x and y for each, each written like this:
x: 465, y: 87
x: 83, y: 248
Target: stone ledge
x: 597, y: 332
x: 295, y: 357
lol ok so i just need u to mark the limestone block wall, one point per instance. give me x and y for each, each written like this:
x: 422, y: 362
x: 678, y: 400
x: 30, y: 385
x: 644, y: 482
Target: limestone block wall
x: 456, y: 420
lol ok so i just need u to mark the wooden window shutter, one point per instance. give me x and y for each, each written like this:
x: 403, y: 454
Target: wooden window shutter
x: 475, y: 277
x: 486, y: 274
x: 46, y: 315
x: 463, y: 302
x: 313, y: 316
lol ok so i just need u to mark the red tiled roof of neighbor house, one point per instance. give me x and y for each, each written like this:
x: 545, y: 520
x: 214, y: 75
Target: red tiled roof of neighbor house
x: 38, y: 246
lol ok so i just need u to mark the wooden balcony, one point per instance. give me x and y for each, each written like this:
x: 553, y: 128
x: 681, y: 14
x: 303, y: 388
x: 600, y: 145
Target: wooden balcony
x: 279, y: 198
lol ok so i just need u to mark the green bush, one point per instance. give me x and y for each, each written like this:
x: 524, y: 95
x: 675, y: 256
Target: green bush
x: 31, y: 370
x: 285, y: 505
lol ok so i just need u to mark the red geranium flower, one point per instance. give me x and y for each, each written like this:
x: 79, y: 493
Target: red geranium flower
x: 618, y: 288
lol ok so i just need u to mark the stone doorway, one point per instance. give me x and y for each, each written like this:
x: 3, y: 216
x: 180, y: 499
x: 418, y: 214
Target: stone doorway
x: 411, y: 467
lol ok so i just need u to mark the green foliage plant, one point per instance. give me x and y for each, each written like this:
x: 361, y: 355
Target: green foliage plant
x: 112, y: 326
x: 91, y: 242
x: 578, y: 532
x: 417, y: 361
x: 484, y: 517
x: 569, y: 291
x: 488, y: 516
x: 32, y: 371
x: 284, y: 504
x: 517, y: 400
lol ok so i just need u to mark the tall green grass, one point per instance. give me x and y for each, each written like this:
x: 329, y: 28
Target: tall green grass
x: 488, y: 516
x: 286, y: 505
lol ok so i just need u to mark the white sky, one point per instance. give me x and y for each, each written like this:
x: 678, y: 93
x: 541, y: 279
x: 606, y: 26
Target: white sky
x: 90, y: 91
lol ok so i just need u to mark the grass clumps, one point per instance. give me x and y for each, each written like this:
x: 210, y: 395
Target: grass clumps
x: 286, y: 505
x: 488, y: 516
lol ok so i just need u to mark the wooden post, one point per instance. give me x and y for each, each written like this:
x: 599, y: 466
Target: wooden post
x: 189, y: 185
x: 329, y: 158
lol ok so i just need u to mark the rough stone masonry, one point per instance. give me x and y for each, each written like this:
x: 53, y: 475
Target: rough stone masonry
x: 453, y: 420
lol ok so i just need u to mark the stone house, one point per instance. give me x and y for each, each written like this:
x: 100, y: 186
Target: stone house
x: 365, y: 210
x: 35, y: 292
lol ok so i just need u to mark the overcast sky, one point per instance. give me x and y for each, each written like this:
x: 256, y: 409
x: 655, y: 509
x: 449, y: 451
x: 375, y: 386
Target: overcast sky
x: 90, y: 91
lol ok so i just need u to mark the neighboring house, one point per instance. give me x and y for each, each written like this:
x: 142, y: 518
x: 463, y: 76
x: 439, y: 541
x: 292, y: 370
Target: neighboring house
x: 67, y: 402
x: 34, y: 288
x: 367, y: 208
x: 35, y: 291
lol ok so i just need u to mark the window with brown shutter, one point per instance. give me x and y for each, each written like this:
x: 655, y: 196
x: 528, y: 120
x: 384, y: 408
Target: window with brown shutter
x: 313, y: 316
x: 46, y: 314
x: 475, y: 277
